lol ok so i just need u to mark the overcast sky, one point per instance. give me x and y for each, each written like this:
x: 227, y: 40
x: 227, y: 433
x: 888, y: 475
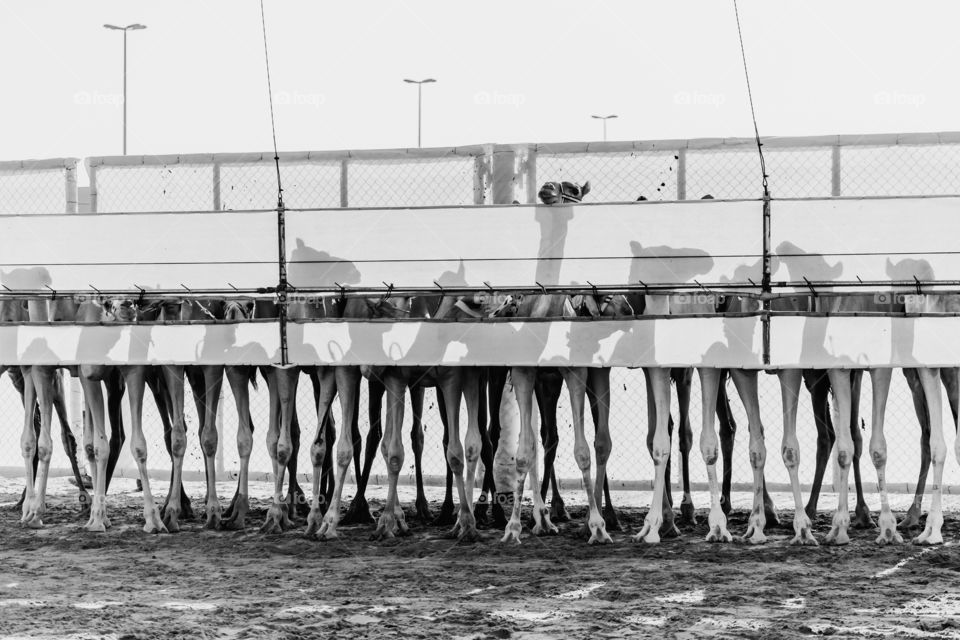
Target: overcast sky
x: 507, y: 71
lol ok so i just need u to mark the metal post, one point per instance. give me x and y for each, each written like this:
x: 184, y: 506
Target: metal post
x: 216, y: 187
x: 70, y: 180
x: 124, y: 92
x: 835, y: 172
x: 682, y: 174
x: 419, y: 110
x: 766, y: 287
x: 344, y: 184
x: 92, y: 176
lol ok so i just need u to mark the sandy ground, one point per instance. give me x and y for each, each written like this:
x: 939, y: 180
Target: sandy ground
x: 64, y: 582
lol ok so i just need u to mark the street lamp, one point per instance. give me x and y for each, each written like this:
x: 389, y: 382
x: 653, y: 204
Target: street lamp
x: 129, y: 27
x: 419, y: 84
x: 604, y: 118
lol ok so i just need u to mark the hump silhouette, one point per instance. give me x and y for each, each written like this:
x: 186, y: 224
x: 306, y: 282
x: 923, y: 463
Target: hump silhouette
x: 667, y: 264
x: 908, y: 268
x: 801, y: 264
x: 28, y: 278
x: 454, y: 279
x: 311, y: 267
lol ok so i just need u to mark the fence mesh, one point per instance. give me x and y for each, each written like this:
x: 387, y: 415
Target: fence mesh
x: 804, y: 170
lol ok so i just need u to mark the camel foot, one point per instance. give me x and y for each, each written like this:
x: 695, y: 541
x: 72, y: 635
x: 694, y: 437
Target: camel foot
x: 668, y: 527
x: 314, y: 522
x: 358, y: 512
x: 499, y: 517
x: 422, y: 510
x: 511, y: 533
x: 598, y: 531
x: 862, y: 518
x: 811, y: 511
x: 171, y: 518
x: 235, y: 518
x: 611, y: 520
x: 911, y: 520
x: 718, y: 527
x: 98, y: 518
x: 213, y: 516
x: 888, y: 529
x: 328, y: 526
x: 558, y: 510
x: 650, y: 532
x: 446, y: 517
x: 297, y: 502
x: 838, y: 530
x: 467, y: 527
x: 931, y: 533
x: 32, y: 514
x: 277, y: 519
x: 542, y: 525
x: 688, y: 517
x: 803, y: 531
x: 386, y: 527
x: 152, y: 521
x: 755, y: 525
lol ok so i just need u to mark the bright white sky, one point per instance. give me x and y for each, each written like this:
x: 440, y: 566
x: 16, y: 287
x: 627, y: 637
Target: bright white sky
x: 507, y: 71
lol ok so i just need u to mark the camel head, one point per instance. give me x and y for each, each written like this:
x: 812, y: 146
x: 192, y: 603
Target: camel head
x: 119, y: 309
x: 563, y: 192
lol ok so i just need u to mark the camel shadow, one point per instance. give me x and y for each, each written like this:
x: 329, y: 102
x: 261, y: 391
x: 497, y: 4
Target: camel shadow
x: 30, y: 278
x: 309, y: 267
x: 667, y: 265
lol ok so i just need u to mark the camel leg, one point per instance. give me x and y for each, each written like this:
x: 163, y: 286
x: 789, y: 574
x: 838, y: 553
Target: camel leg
x: 912, y: 517
x: 710, y: 380
x: 136, y: 385
x: 930, y: 379
x: 45, y: 389
x: 99, y: 447
x: 547, y: 391
x: 658, y: 381
x: 391, y: 521
x: 69, y: 442
x: 17, y: 377
x: 746, y: 383
x: 416, y: 442
x: 818, y: 384
x: 156, y: 381
x: 239, y: 378
x: 279, y: 443
x: 481, y: 510
x: 446, y: 517
x: 840, y: 381
x: 173, y: 380
x: 114, y: 385
x: 685, y: 435
x: 728, y: 434
x: 862, y: 519
x: 790, y: 381
x: 598, y: 392
x: 28, y: 447
x: 296, y: 499
x: 667, y: 527
x: 213, y: 382
x: 496, y: 383
x: 472, y: 392
x: 451, y: 386
x: 359, y: 511
x: 577, y: 380
x: 347, y: 381
x: 320, y: 446
x: 880, y: 381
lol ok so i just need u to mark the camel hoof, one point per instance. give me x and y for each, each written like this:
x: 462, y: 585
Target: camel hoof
x: 889, y: 536
x: 277, y: 520
x: 511, y: 533
x: 357, y: 513
x: 610, y: 519
x: 499, y: 517
x: 236, y: 519
x: 481, y: 513
x: 327, y: 531
x: 558, y: 511
x: 755, y: 537
x: 32, y: 523
x: 469, y: 534
x: 171, y: 519
x: 837, y: 537
x: 804, y: 539
x: 668, y: 530
x: 687, y: 515
x: 598, y: 534
x: 422, y: 511
x: 213, y: 518
x: 911, y: 520
x: 446, y: 517
x: 153, y: 523
x: 862, y: 519
x: 719, y: 534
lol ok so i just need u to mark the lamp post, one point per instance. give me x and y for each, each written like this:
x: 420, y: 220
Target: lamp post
x: 129, y: 27
x: 419, y: 84
x: 604, y: 119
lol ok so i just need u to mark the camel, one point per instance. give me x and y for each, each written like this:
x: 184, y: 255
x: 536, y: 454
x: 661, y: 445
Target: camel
x: 12, y: 310
x: 523, y: 382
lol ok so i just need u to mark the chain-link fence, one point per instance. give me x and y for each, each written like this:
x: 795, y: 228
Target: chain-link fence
x: 670, y: 170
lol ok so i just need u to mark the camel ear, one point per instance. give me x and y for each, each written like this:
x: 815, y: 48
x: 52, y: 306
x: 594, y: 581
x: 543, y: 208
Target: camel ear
x: 585, y: 189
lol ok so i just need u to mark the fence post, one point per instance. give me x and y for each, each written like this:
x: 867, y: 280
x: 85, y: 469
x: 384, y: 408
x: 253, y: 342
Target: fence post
x: 216, y: 186
x: 482, y: 170
x: 682, y: 174
x: 504, y: 176
x: 835, y: 172
x: 526, y: 174
x: 92, y: 175
x: 70, y: 180
x: 344, y: 191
